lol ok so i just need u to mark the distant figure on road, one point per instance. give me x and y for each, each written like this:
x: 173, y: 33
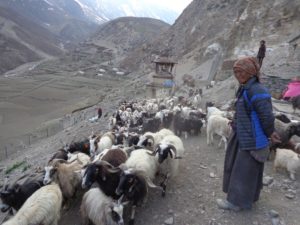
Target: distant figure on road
x: 261, y: 52
x: 99, y: 113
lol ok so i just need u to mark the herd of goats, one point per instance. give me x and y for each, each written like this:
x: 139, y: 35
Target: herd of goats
x: 114, y: 170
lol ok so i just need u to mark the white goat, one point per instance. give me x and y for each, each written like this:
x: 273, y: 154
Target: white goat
x: 83, y: 158
x: 141, y: 160
x: 197, y: 101
x: 288, y: 160
x: 106, y: 141
x: 168, y: 151
x: 42, y: 207
x: 150, y: 139
x: 101, y: 209
x: 219, y: 125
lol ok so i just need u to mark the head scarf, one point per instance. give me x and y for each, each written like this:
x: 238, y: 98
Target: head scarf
x: 248, y: 64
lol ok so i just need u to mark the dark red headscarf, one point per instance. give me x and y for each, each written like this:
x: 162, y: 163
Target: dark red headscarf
x: 248, y: 64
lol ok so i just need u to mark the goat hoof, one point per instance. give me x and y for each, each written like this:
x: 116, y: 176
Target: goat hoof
x: 163, y: 193
x: 131, y: 222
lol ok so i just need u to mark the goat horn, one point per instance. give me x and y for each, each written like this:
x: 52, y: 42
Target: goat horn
x: 110, y: 167
x: 151, y: 184
x: 55, y: 161
x: 120, y: 199
x: 77, y: 158
x: 152, y: 153
x: 174, y: 149
x: 150, y: 137
x: 103, y: 163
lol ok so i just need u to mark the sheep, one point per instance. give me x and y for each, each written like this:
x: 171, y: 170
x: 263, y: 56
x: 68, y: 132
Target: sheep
x: 172, y: 146
x: 288, y: 160
x: 14, y: 195
x: 42, y: 207
x: 99, y: 172
x: 137, y: 174
x: 219, y: 125
x: 66, y: 175
x: 101, y: 209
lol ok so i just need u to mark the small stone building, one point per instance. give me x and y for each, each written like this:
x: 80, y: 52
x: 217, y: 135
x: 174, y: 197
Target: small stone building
x: 163, y: 80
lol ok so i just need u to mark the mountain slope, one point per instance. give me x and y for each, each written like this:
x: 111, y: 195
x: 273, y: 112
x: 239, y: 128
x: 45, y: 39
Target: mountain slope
x: 226, y: 28
x: 57, y: 16
x: 129, y: 33
x: 24, y: 41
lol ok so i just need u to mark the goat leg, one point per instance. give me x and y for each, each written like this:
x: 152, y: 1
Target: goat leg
x: 164, y: 186
x: 131, y: 221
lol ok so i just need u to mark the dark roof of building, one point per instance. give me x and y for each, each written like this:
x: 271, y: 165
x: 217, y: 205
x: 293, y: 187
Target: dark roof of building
x: 164, y: 60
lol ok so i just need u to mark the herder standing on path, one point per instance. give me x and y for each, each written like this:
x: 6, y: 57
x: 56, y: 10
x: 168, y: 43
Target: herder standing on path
x: 261, y: 52
x: 248, y: 146
x: 99, y: 113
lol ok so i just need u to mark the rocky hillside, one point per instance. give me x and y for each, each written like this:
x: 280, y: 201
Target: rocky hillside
x: 129, y: 33
x: 210, y: 32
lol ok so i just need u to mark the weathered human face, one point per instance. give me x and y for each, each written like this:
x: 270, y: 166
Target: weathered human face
x: 241, y: 75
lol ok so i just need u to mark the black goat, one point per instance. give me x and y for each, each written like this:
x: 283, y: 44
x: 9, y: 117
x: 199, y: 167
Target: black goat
x: 14, y: 195
x: 167, y: 120
x: 282, y: 118
x: 151, y: 124
x: 100, y: 172
x: 296, y: 102
x: 60, y: 154
x: 80, y: 146
x: 285, y: 131
x: 181, y: 124
x: 134, y: 186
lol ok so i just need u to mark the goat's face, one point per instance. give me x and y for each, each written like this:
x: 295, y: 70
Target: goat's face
x: 9, y: 196
x: 145, y: 142
x: 163, y: 151
x: 116, y: 212
x: 295, y: 129
x: 89, y: 174
x: 126, y: 183
x: 50, y: 170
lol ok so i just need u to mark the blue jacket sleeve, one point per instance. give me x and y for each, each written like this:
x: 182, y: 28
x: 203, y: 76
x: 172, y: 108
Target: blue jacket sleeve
x: 262, y: 104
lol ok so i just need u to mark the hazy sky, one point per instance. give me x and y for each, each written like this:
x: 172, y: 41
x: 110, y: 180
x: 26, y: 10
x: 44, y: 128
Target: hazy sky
x: 177, y: 5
